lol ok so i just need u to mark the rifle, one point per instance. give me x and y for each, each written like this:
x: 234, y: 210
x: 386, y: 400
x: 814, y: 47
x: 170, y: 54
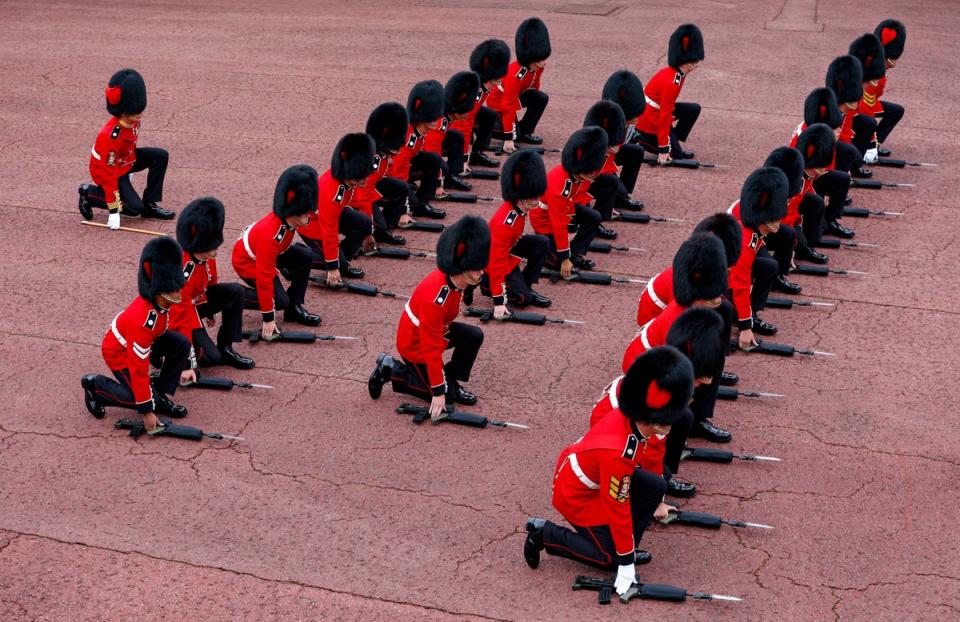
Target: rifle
x: 137, y: 429
x: 462, y: 197
x: 815, y: 270
x: 645, y: 591
x: 482, y: 173
x: 705, y: 454
x: 781, y: 349
x: 730, y: 393
x: 862, y: 212
x: 606, y: 247
x: 895, y: 163
x: 364, y: 289
x: 392, y: 252
x: 589, y: 278
x: 293, y: 336
x: 788, y: 303
x: 521, y: 317
x: 422, y: 225
x: 837, y: 243
x: 421, y: 414
x: 708, y: 521
x: 873, y: 184
x: 680, y: 163
x: 644, y: 218
x: 222, y: 384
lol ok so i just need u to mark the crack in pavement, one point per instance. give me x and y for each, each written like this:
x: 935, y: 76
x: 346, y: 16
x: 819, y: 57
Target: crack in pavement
x: 479, y: 550
x: 242, y: 573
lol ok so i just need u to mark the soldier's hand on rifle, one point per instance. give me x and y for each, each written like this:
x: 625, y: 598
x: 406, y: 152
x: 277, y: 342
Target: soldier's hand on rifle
x: 626, y: 577
x: 747, y: 341
x: 437, y: 405
x: 662, y: 511
x: 269, y: 330
x: 664, y: 158
x: 509, y: 146
x: 187, y: 376
x: 405, y: 219
x: 566, y: 268
x: 151, y: 424
x: 466, y: 167
x: 369, y: 244
x: 500, y: 312
x: 333, y: 278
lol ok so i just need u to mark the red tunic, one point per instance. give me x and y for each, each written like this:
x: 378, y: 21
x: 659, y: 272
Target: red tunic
x: 434, y: 305
x: 741, y: 274
x: 661, y: 94
x: 400, y: 163
x: 365, y: 196
x: 465, y: 126
x: 127, y: 345
x: 332, y: 197
x: 652, y: 334
x: 870, y: 104
x: 655, y: 298
x: 559, y: 208
x: 433, y: 141
x: 649, y: 456
x: 506, y: 227
x: 199, y: 275
x: 793, y: 203
x: 113, y: 155
x: 846, y: 129
x: 506, y: 99
x: 255, y: 257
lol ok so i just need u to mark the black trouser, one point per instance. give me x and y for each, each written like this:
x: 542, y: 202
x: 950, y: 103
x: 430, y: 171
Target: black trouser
x: 227, y: 299
x: 153, y: 159
x: 585, y: 222
x: 535, y: 102
x: 295, y: 263
x: 764, y: 272
x: 781, y: 244
x: 483, y: 125
x: 833, y: 186
x: 811, y: 211
x: 412, y: 378
x: 355, y: 226
x: 864, y: 128
x: 594, y: 545
x: 847, y: 157
x: 453, y: 144
x: 677, y: 440
x: 605, y: 189
x: 174, y: 350
x: 426, y: 166
x: 891, y: 115
x: 630, y: 157
x: 534, y: 248
x: 685, y: 114
x: 388, y: 210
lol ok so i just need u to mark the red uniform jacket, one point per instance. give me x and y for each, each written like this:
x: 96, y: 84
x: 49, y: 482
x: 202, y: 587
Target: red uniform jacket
x: 332, y: 197
x: 506, y: 99
x: 846, y: 129
x: 112, y: 156
x: 661, y: 94
x: 400, y: 163
x: 741, y: 274
x: 465, y: 126
x: 652, y: 450
x: 655, y: 298
x: 433, y: 141
x: 434, y: 305
x: 872, y: 90
x: 127, y: 345
x: 553, y: 219
x: 199, y: 275
x: 793, y: 216
x: 365, y: 196
x: 255, y: 257
x: 652, y: 334
x: 591, y: 485
x: 506, y: 227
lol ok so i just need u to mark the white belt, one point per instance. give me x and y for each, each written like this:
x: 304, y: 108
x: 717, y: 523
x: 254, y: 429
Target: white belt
x: 651, y: 103
x: 246, y: 242
x: 575, y: 465
x: 653, y: 294
x: 413, y: 318
x: 612, y: 392
x: 93, y: 152
x: 116, y: 332
x: 643, y: 335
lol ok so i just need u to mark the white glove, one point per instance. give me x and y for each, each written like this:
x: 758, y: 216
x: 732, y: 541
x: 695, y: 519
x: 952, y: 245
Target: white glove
x: 113, y: 220
x: 626, y: 577
x: 871, y: 156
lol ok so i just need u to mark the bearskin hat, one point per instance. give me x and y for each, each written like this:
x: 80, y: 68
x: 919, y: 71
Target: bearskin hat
x: 698, y: 334
x: 686, y: 46
x: 460, y: 93
x: 532, y: 42
x: 387, y: 126
x: 126, y: 93
x: 821, y: 106
x: 816, y: 144
x: 725, y: 227
x: 893, y: 36
x: 161, y: 268
x: 200, y: 225
x: 425, y: 102
x: 296, y: 191
x: 608, y: 116
x: 524, y: 176
x: 763, y: 197
x: 699, y: 269
x: 788, y: 160
x: 869, y: 51
x: 490, y: 60
x: 625, y: 88
x: 352, y: 157
x: 845, y: 79
x: 463, y: 246
x: 585, y: 151
x: 657, y: 387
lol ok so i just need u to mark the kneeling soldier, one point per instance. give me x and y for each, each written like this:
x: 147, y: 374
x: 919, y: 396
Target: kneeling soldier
x: 427, y: 326
x: 139, y: 334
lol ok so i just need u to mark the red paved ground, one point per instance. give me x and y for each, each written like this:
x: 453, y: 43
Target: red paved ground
x: 335, y: 508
